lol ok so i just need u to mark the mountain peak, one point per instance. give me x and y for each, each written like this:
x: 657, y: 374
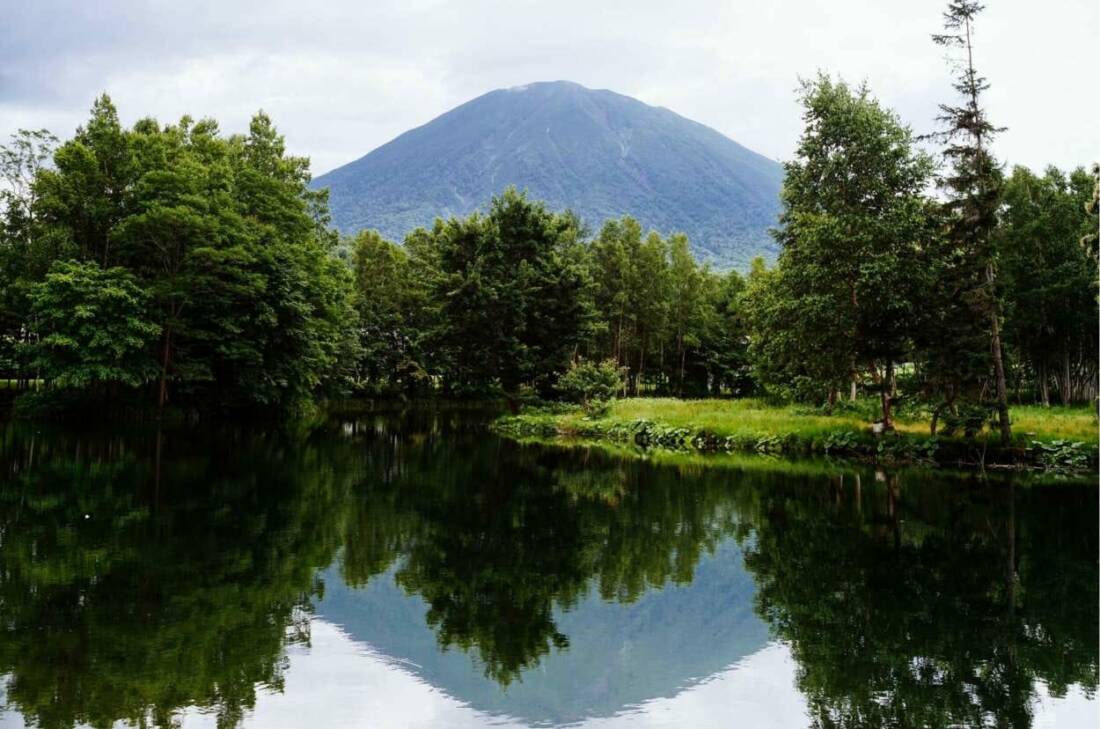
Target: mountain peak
x: 597, y: 152
x: 548, y: 85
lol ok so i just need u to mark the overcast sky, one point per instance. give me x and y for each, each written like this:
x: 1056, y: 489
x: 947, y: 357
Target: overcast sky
x: 343, y: 77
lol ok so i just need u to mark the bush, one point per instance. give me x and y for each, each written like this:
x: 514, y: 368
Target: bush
x: 968, y: 418
x: 1063, y: 455
x: 591, y: 385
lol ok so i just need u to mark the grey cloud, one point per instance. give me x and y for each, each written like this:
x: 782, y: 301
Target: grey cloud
x: 343, y: 77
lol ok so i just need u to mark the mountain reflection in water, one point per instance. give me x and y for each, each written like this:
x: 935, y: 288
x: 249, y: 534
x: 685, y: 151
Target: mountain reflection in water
x: 419, y: 564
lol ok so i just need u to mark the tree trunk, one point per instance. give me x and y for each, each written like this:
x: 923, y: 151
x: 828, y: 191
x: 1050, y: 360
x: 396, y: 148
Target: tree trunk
x: 1044, y: 385
x: 887, y: 394
x: 166, y: 355
x: 1067, y: 379
x: 683, y: 361
x: 852, y: 394
x: 619, y: 340
x: 998, y: 360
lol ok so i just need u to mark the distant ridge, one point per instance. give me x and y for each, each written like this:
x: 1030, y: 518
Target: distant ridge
x: 597, y: 152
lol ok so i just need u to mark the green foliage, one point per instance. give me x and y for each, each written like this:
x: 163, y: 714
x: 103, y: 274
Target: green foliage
x: 724, y: 337
x: 966, y: 418
x: 677, y: 327
x: 1090, y: 240
x: 1063, y: 455
x: 864, y: 408
x: 54, y: 403
x: 847, y: 291
x: 893, y: 447
x: 962, y: 342
x: 230, y: 291
x: 505, y: 295
x: 386, y: 302
x: 1049, y: 284
x: 92, y: 327
x: 843, y: 441
x: 214, y: 242
x: 754, y: 426
x: 591, y: 384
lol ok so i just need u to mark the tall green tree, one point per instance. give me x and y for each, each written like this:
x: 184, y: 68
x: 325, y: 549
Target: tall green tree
x: 1049, y: 283
x: 724, y: 341
x: 26, y: 249
x: 611, y: 257
x: 845, y: 296
x: 1090, y: 237
x: 509, y: 292
x: 383, y: 303
x: 972, y: 187
x: 634, y: 296
x: 686, y: 304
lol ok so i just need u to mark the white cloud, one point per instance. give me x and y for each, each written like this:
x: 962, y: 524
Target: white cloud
x: 340, y: 78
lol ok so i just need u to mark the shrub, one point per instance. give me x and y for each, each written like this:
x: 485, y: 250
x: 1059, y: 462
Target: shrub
x: 591, y: 384
x: 967, y: 417
x: 844, y: 441
x: 1063, y: 455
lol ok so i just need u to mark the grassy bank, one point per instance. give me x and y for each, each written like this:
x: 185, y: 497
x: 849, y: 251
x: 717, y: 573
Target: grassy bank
x: 1053, y: 438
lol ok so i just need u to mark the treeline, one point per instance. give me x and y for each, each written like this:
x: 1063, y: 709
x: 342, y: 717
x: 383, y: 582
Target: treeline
x: 174, y: 265
x: 506, y: 301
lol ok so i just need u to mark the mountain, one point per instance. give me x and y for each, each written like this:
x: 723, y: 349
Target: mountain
x: 599, y: 153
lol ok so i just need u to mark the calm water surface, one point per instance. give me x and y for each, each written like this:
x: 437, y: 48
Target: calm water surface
x: 414, y: 571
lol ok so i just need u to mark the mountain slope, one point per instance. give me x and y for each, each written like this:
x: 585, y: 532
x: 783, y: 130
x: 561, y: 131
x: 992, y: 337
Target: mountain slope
x: 600, y: 153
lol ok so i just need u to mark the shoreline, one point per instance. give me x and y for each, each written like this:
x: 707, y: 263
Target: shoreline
x: 788, y: 437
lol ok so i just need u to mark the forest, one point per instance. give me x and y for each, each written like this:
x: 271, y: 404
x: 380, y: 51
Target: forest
x: 157, y: 266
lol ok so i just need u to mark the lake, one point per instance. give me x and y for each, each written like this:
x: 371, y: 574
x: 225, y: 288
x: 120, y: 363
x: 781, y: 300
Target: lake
x: 413, y: 570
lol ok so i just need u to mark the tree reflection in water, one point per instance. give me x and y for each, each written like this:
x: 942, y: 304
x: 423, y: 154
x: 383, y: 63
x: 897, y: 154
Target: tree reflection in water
x: 141, y: 574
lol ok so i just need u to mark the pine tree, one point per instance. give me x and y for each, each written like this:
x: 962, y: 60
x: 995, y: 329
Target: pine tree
x: 973, y: 189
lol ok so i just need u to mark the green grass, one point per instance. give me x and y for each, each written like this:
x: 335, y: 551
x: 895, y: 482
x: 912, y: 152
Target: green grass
x: 1055, y: 423
x: 745, y: 417
x: 730, y: 417
x: 756, y: 426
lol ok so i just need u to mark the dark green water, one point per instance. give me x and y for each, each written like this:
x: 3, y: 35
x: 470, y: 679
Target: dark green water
x: 416, y: 571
